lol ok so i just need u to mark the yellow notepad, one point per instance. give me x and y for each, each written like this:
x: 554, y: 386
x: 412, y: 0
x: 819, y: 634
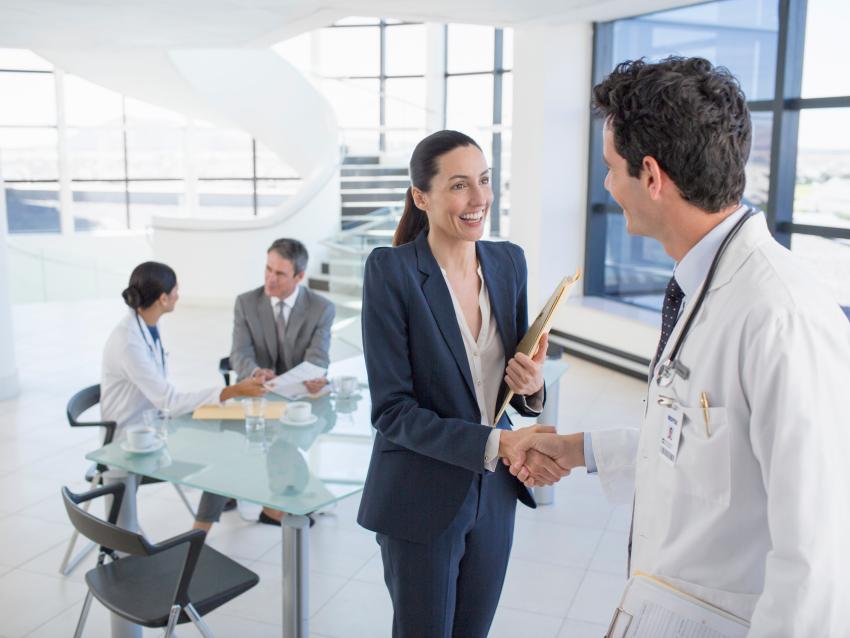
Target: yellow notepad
x: 528, y: 344
x: 234, y: 412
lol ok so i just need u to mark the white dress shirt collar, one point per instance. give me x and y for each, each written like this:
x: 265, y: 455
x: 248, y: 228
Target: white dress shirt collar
x: 692, y: 269
x: 289, y: 301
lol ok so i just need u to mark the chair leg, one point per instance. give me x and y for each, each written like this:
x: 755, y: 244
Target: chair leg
x: 198, y: 621
x: 184, y: 499
x: 172, y: 621
x: 84, y: 614
x: 68, y: 564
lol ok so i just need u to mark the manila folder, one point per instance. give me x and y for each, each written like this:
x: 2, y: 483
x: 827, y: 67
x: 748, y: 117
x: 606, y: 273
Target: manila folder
x: 528, y: 344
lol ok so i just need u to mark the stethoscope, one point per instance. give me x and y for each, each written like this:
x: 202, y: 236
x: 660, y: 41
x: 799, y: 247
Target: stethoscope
x: 669, y: 368
x: 147, y: 343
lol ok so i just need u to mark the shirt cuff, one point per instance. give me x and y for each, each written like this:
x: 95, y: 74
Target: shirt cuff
x: 533, y: 402
x: 491, y: 450
x: 589, y: 459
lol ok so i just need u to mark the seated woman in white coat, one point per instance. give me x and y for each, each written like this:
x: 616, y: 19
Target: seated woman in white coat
x: 134, y: 375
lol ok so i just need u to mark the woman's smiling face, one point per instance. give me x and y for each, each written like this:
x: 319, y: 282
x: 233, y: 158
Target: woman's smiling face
x: 460, y: 196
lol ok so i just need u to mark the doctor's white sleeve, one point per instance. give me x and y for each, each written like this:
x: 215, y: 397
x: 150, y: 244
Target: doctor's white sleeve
x: 141, y: 370
x: 615, y: 454
x: 794, y: 373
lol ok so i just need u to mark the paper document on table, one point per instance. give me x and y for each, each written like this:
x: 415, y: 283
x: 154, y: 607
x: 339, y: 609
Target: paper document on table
x: 290, y: 384
x: 528, y: 344
x: 651, y: 608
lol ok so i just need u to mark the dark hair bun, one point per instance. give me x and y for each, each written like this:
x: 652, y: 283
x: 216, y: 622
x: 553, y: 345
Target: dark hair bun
x: 132, y: 297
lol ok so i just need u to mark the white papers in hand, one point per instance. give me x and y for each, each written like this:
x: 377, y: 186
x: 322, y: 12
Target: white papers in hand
x: 290, y: 384
x: 653, y: 609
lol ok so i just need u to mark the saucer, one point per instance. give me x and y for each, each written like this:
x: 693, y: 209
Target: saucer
x: 125, y: 445
x: 313, y: 418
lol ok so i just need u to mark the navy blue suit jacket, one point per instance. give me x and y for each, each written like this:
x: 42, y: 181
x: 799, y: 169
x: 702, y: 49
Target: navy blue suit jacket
x: 429, y: 442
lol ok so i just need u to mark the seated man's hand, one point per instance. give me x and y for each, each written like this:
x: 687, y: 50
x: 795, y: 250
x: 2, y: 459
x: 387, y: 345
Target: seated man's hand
x: 514, y: 448
x: 263, y: 374
x: 565, y: 450
x: 315, y: 385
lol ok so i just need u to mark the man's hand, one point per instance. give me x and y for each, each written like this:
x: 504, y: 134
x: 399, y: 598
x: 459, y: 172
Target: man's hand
x: 315, y: 385
x: 514, y: 449
x: 524, y: 374
x: 263, y: 374
x: 565, y: 450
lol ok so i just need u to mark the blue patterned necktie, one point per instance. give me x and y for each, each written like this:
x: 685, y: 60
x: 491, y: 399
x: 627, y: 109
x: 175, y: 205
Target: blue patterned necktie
x: 673, y: 297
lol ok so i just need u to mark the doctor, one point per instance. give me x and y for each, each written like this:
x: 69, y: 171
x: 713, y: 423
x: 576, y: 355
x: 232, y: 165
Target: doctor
x: 134, y: 373
x: 740, y: 472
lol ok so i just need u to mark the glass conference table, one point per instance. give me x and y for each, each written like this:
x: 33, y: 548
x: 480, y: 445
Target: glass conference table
x: 296, y: 469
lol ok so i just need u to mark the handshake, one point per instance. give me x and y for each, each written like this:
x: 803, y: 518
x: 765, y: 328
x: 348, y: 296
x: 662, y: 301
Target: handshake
x: 539, y: 456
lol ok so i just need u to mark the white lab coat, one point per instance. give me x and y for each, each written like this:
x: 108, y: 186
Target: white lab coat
x: 134, y: 377
x: 753, y: 519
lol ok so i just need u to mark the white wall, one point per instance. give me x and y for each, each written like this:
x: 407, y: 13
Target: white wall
x: 8, y: 367
x: 552, y: 81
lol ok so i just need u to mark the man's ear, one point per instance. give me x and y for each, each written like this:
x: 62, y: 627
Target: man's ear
x: 420, y: 198
x: 652, y: 176
x: 299, y: 277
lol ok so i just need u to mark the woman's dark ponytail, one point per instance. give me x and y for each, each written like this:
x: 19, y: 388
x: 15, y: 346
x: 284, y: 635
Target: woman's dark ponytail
x: 423, y: 167
x: 148, y: 282
x: 413, y: 221
x: 132, y: 297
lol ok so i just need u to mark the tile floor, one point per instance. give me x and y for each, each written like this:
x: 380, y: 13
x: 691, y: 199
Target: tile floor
x: 566, y: 570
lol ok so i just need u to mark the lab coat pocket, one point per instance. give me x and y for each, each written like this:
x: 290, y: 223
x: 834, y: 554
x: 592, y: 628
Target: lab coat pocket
x: 703, y: 467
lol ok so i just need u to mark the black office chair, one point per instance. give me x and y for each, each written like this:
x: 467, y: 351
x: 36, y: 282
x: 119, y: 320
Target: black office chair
x: 84, y: 400
x: 156, y: 584
x: 225, y: 369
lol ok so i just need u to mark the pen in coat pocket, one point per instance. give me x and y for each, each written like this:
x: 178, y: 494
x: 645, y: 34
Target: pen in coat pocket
x: 703, y: 401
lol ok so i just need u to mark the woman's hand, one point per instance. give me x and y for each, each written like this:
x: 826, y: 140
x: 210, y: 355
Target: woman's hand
x: 251, y: 387
x: 524, y: 374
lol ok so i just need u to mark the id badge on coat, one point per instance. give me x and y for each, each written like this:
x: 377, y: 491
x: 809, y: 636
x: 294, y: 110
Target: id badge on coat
x: 671, y: 432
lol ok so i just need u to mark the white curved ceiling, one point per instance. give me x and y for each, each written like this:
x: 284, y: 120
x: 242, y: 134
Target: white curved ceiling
x: 165, y: 24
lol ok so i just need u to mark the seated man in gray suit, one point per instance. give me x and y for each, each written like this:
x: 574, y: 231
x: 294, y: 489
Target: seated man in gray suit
x: 276, y: 327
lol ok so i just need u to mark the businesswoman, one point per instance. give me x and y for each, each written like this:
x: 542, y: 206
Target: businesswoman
x: 134, y: 375
x: 442, y: 315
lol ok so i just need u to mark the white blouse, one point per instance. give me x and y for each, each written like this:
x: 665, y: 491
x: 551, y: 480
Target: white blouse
x: 486, y: 357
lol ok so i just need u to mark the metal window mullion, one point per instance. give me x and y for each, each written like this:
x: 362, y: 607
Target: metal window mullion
x: 66, y: 213
x: 126, y: 160
x: 786, y: 122
x: 597, y: 199
x: 496, y: 143
x: 382, y: 89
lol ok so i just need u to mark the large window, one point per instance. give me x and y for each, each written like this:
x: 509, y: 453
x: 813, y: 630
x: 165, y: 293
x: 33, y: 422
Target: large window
x: 114, y: 161
x: 479, y: 90
x: 789, y: 56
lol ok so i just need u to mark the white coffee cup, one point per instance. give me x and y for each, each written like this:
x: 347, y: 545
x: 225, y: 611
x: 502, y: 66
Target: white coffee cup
x: 298, y: 411
x: 345, y: 386
x: 141, y: 438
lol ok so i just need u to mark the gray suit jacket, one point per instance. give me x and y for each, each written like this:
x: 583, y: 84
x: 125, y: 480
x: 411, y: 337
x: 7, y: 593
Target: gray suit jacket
x: 307, y: 337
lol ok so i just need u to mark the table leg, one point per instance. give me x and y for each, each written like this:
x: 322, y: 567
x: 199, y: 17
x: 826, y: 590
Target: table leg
x: 127, y: 519
x: 545, y: 495
x: 296, y: 575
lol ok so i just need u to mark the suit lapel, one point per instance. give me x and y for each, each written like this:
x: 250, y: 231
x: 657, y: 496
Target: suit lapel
x: 264, y: 311
x: 293, y: 324
x: 499, y: 284
x: 440, y: 302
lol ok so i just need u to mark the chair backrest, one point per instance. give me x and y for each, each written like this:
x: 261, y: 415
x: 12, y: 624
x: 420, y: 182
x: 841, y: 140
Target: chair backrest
x: 105, y: 533
x: 82, y: 401
x: 225, y: 368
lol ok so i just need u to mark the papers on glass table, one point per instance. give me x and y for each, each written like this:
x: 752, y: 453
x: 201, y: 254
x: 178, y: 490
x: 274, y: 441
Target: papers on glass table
x: 651, y: 608
x: 290, y: 384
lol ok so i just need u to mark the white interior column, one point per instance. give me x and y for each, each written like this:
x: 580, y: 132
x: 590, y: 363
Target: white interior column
x: 8, y: 369
x: 551, y: 97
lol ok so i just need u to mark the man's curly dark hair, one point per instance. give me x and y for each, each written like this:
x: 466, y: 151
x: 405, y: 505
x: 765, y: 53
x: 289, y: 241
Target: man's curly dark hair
x: 690, y: 116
